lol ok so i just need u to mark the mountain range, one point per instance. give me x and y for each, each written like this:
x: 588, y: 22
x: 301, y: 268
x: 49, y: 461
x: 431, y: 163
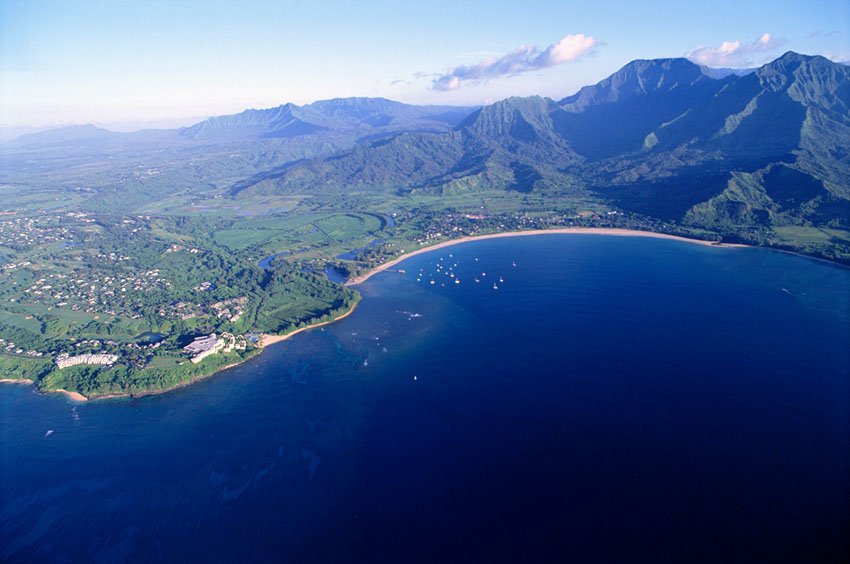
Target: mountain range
x: 716, y: 148
x: 660, y: 137
x: 340, y: 116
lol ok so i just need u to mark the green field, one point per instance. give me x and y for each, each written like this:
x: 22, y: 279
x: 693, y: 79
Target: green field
x: 216, y: 243
x: 241, y: 239
x: 812, y: 235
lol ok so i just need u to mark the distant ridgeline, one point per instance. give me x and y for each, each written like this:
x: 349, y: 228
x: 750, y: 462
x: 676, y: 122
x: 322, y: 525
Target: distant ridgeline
x: 658, y: 137
x: 739, y: 153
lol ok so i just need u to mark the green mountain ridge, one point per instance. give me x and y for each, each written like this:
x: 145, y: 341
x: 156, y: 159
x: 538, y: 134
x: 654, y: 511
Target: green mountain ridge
x: 658, y: 137
x: 740, y: 153
x: 356, y: 116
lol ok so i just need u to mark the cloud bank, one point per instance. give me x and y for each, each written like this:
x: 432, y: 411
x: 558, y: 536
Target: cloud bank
x: 735, y: 54
x: 520, y: 60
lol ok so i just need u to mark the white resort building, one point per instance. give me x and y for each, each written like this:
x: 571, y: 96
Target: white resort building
x: 203, y: 347
x: 103, y: 359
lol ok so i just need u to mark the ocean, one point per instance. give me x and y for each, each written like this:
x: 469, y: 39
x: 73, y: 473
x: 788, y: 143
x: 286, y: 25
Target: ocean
x: 588, y: 398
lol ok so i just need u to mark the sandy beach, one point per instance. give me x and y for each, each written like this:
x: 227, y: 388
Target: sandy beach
x: 267, y: 339
x: 558, y: 231
x: 73, y: 396
x: 15, y: 381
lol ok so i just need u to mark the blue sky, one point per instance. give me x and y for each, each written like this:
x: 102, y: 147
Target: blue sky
x: 129, y: 64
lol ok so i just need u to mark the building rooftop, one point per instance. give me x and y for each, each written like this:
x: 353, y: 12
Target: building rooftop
x: 201, y: 344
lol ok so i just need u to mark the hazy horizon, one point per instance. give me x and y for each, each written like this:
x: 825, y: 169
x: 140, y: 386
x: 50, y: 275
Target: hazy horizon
x: 10, y: 132
x: 157, y: 64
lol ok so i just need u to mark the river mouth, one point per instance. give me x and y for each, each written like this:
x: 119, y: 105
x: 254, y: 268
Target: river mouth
x: 332, y: 273
x: 354, y: 254
x: 266, y: 263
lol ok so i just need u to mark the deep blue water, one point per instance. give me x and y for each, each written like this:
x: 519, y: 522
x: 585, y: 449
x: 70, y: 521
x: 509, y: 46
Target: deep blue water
x: 619, y: 399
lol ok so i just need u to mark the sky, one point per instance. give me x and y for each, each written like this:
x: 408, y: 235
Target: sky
x: 126, y: 65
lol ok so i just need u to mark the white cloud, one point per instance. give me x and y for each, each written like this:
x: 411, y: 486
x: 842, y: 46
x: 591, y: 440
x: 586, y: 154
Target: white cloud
x: 735, y: 54
x: 520, y: 60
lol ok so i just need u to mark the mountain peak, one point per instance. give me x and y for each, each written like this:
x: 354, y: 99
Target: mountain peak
x: 663, y: 62
x: 808, y: 79
x: 355, y: 103
x: 791, y: 61
x: 793, y: 56
x: 87, y: 133
x: 502, y: 114
x: 86, y: 128
x: 636, y: 79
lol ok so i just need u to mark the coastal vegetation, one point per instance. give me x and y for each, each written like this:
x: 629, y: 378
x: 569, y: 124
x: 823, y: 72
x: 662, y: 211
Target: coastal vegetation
x: 135, y: 244
x: 140, y: 288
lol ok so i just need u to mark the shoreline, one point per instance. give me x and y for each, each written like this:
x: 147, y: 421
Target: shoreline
x: 267, y: 339
x: 26, y: 381
x: 171, y: 389
x: 529, y: 232
x: 73, y: 396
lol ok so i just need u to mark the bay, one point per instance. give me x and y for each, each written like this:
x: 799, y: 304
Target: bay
x: 611, y: 398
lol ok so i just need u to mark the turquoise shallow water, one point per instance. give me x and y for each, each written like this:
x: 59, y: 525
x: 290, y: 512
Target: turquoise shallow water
x: 613, y: 398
